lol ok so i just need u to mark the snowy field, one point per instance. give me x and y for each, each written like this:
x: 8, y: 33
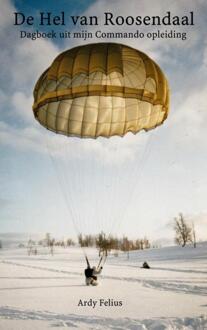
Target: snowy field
x: 43, y: 291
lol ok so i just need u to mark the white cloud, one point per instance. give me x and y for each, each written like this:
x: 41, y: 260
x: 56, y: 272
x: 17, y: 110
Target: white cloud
x: 205, y: 57
x: 26, y: 139
x: 5, y: 19
x: 22, y: 105
x: 188, y: 123
x: 3, y: 99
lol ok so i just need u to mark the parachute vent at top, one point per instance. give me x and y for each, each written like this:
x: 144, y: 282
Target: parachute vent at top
x: 101, y: 89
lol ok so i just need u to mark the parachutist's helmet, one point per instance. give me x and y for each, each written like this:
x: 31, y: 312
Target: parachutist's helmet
x: 102, y: 89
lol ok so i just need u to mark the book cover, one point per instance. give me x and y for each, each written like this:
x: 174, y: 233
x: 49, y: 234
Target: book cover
x: 103, y: 218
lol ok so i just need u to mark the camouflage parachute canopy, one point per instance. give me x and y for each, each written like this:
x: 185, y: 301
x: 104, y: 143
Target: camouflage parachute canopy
x: 102, y: 89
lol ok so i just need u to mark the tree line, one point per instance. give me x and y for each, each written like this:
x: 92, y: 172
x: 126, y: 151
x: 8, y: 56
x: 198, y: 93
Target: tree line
x: 105, y: 243
x: 184, y: 233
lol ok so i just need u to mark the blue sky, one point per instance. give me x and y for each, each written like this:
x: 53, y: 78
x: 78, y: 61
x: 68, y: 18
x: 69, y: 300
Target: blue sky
x: 172, y: 162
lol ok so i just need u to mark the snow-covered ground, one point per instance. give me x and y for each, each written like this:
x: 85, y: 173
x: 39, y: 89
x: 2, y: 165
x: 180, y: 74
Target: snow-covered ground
x: 43, y: 291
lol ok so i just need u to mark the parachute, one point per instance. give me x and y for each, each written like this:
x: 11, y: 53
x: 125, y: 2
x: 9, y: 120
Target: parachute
x: 99, y: 91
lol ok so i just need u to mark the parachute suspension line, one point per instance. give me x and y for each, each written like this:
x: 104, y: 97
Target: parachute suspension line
x: 110, y: 183
x: 114, y: 186
x: 81, y: 186
x: 76, y: 182
x: 99, y: 184
x: 68, y: 205
x: 139, y: 172
x: 88, y: 264
x: 90, y: 192
x: 60, y: 182
x: 136, y: 174
x: 79, y: 172
x: 106, y: 189
x: 121, y: 173
x: 99, y: 172
x: 115, y: 183
x: 72, y: 182
x: 102, y: 260
x: 84, y: 172
x: 93, y: 187
x: 97, y: 201
x: 67, y: 183
x: 103, y: 177
x: 61, y: 168
x: 125, y: 184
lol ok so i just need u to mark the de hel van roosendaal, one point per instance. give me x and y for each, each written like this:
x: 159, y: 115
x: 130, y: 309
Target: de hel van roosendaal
x: 108, y: 18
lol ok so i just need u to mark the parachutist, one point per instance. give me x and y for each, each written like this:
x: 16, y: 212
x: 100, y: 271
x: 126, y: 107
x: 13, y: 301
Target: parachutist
x: 91, y: 275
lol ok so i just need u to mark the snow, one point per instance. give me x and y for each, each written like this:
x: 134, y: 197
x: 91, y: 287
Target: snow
x: 43, y: 291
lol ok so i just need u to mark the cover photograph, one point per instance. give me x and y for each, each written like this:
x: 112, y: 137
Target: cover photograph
x: 103, y: 144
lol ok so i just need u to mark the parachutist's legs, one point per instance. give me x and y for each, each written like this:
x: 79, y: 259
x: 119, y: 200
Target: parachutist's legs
x: 88, y: 280
x: 94, y: 283
x: 91, y: 281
